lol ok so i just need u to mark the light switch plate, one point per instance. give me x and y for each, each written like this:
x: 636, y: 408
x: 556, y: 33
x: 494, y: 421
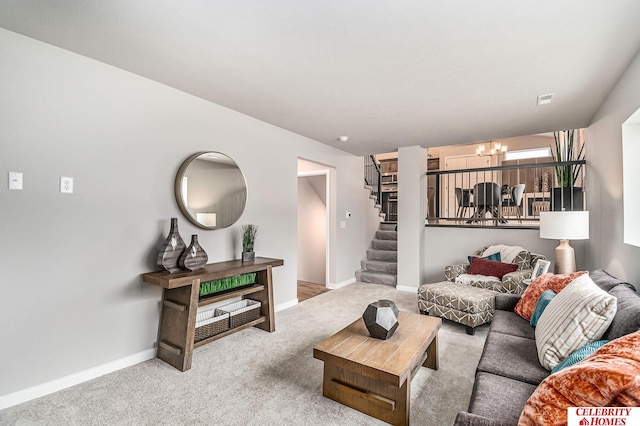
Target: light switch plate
x: 66, y: 185
x: 15, y: 180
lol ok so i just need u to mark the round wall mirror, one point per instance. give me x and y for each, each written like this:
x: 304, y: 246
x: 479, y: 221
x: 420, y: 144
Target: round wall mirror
x: 211, y: 191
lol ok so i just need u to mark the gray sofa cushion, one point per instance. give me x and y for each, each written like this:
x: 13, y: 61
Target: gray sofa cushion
x: 627, y: 319
x: 606, y: 281
x: 490, y: 392
x: 506, y: 302
x: 514, y: 357
x: 511, y: 323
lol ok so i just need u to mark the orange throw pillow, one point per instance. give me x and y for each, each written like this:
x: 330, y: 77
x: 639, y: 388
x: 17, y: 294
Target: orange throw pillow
x: 610, y: 377
x: 529, y: 298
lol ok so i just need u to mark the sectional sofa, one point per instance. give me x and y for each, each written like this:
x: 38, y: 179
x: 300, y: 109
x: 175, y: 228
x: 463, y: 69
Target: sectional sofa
x: 509, y: 370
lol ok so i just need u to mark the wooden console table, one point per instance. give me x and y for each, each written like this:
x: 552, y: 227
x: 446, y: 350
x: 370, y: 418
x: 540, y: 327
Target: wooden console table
x: 180, y: 301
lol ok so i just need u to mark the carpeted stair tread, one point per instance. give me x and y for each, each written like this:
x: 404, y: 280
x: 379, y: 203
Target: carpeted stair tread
x: 384, y: 245
x: 376, y: 278
x: 379, y: 266
x: 385, y: 255
x: 386, y: 235
x: 388, y: 226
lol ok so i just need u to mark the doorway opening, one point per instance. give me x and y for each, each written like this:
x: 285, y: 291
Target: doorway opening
x: 314, y: 199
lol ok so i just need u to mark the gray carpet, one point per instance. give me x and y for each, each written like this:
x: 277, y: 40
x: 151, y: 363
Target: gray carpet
x: 259, y: 378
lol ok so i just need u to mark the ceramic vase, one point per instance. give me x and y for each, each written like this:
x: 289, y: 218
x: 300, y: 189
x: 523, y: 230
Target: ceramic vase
x: 171, y: 250
x: 194, y: 257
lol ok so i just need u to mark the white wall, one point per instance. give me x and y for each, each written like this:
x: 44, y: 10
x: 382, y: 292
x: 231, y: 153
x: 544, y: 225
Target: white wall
x: 603, y: 140
x: 631, y: 177
x: 70, y: 264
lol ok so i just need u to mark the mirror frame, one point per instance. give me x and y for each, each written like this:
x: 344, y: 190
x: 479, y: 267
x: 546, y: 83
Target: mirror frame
x: 177, y: 189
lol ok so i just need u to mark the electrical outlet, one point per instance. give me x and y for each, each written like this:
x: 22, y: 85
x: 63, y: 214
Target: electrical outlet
x: 66, y: 185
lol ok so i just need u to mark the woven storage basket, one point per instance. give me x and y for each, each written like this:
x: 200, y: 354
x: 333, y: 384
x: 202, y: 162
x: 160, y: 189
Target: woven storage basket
x: 209, y: 323
x: 241, y: 312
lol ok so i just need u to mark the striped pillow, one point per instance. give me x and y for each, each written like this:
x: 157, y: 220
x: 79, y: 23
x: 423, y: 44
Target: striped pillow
x: 579, y: 314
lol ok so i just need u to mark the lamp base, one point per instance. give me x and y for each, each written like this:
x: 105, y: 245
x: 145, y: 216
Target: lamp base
x: 565, y: 258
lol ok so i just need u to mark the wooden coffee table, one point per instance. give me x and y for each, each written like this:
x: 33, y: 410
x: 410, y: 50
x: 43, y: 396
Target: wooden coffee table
x: 374, y: 376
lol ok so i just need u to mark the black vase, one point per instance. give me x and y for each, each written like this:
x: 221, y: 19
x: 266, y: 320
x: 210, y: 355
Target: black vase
x: 194, y: 257
x: 171, y: 250
x: 566, y: 199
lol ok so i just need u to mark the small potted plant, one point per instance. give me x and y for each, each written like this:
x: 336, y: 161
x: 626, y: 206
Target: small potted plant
x: 567, y: 196
x: 249, y: 233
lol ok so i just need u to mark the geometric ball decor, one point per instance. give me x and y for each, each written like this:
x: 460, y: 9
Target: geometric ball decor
x: 381, y: 319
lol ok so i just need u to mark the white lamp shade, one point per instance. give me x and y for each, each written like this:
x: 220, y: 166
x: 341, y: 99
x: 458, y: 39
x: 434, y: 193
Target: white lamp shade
x: 206, y: 219
x: 564, y: 225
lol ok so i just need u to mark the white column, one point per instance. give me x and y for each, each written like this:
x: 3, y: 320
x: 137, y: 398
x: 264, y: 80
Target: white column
x: 412, y: 211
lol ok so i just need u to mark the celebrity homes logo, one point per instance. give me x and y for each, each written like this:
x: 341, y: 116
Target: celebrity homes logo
x: 603, y: 416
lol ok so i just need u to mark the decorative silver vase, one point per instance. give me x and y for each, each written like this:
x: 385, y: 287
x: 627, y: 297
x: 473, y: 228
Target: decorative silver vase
x: 171, y: 250
x: 194, y: 257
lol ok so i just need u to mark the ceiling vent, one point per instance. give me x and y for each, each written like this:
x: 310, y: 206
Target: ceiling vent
x: 544, y: 99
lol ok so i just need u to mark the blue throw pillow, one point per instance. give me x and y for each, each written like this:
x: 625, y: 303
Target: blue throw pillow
x: 494, y: 256
x: 579, y: 354
x: 541, y: 304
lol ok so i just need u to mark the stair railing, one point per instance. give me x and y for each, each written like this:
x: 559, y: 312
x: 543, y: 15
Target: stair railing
x: 372, y: 177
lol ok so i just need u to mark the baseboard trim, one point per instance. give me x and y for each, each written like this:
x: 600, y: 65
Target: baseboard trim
x: 285, y: 305
x: 56, y: 385
x: 333, y: 286
x: 407, y: 289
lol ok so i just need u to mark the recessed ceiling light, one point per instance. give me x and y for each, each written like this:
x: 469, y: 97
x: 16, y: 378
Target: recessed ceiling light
x: 343, y: 138
x: 545, y: 99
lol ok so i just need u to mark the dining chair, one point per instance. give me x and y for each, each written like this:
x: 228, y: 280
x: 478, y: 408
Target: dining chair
x: 514, y: 201
x: 487, y: 196
x: 463, y: 197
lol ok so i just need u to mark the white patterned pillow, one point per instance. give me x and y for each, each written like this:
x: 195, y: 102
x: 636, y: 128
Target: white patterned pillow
x: 579, y: 314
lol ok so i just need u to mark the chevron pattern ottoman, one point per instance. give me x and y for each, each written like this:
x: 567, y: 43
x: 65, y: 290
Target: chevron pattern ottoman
x: 470, y: 306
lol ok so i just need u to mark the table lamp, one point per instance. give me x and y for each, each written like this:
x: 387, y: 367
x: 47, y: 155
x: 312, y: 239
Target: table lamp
x: 564, y: 226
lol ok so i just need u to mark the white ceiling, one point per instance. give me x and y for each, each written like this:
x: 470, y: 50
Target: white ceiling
x: 385, y: 73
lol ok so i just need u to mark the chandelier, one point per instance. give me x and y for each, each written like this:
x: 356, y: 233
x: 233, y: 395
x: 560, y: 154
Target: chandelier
x: 494, y: 149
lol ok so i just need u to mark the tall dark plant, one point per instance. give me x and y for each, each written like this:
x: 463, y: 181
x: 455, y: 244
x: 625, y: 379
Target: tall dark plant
x: 565, y: 151
x: 249, y: 233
